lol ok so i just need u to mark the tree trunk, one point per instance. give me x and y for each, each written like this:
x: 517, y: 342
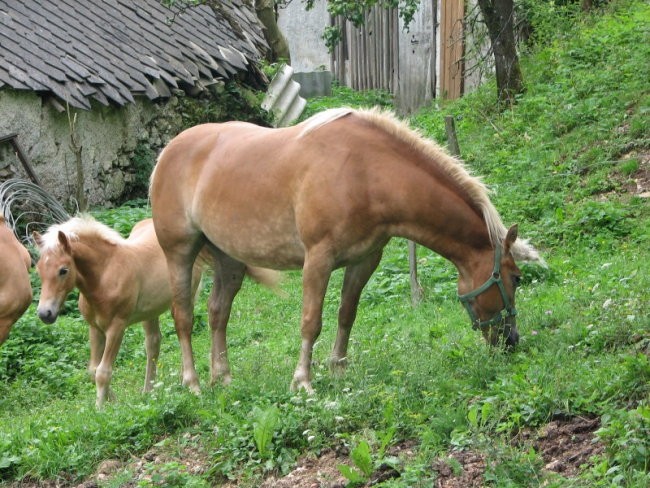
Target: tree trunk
x: 265, y: 10
x: 499, y: 19
x: 586, y: 5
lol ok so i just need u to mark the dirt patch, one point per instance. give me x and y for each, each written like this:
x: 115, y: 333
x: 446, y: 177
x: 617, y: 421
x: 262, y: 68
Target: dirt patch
x: 316, y: 472
x: 323, y: 472
x: 189, y: 458
x: 638, y: 182
x: 566, y: 444
x: 461, y: 469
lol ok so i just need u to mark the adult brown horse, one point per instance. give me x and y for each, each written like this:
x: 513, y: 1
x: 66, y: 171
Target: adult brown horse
x: 15, y: 286
x: 327, y: 193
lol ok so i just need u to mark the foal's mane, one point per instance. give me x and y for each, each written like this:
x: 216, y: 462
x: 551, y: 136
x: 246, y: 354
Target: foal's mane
x: 471, y: 185
x: 78, y: 228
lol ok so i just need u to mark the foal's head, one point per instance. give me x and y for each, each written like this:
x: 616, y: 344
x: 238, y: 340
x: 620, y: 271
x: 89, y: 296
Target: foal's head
x: 57, y: 271
x: 491, y: 305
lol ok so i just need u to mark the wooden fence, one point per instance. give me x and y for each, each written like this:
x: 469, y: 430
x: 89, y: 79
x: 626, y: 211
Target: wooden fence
x: 382, y: 55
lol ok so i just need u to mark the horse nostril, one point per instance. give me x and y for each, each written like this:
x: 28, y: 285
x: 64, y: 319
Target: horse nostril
x: 46, y: 316
x: 513, y: 338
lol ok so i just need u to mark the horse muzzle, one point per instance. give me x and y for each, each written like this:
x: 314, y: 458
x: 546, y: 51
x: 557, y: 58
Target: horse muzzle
x: 48, y: 314
x: 511, y: 334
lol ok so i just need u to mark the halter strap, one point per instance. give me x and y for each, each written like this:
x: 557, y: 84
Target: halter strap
x: 501, y: 316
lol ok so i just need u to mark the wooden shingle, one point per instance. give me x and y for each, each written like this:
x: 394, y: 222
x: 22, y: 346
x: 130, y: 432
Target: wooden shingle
x: 113, y: 50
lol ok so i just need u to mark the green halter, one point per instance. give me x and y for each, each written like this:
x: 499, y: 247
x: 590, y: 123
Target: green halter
x: 501, y: 316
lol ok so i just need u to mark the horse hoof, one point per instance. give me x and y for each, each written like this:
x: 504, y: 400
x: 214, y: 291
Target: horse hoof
x: 338, y: 366
x: 193, y: 386
x: 297, y: 385
x: 224, y: 380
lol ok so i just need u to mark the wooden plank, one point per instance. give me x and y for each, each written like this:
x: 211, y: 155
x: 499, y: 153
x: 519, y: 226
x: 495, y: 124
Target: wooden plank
x: 13, y: 139
x: 345, y: 55
x: 362, y: 58
x: 451, y: 47
x: 395, y: 51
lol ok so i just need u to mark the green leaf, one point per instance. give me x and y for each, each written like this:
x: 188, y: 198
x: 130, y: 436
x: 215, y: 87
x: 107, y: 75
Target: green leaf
x: 354, y: 476
x: 361, y: 457
x: 7, y: 461
x: 263, y: 429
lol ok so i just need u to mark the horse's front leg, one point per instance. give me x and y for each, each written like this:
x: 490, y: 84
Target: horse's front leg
x: 152, y: 339
x: 356, y: 277
x: 97, y: 344
x: 228, y: 277
x: 104, y: 372
x: 316, y: 273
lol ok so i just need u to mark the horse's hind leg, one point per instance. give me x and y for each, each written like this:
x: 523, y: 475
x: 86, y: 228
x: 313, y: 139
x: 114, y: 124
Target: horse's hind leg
x: 152, y: 339
x: 228, y: 277
x: 356, y: 277
x: 180, y: 274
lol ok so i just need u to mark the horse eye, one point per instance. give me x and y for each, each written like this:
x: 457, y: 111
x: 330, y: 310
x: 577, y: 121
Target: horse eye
x: 63, y: 271
x: 516, y: 279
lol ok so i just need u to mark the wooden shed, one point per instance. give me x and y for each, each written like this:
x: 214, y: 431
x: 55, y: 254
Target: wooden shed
x: 416, y: 64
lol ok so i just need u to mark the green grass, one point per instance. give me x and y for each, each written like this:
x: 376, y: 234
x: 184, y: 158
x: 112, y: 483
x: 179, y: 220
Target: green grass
x: 559, y: 162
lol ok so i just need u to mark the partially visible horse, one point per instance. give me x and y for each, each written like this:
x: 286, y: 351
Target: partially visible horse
x: 15, y: 286
x: 121, y: 282
x: 324, y: 194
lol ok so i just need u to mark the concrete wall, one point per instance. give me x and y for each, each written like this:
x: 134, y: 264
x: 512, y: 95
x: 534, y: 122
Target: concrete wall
x: 303, y: 30
x: 109, y: 137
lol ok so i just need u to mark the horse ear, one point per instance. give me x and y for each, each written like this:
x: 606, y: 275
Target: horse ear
x: 510, y: 239
x: 38, y: 239
x: 63, y: 240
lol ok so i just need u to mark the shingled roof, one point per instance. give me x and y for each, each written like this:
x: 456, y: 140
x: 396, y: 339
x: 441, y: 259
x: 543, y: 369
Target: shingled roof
x: 114, y: 50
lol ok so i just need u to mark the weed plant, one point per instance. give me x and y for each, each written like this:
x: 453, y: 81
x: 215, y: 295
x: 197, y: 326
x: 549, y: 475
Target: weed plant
x: 562, y: 162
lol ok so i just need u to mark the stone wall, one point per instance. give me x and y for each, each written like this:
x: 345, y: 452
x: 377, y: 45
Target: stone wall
x: 110, y: 138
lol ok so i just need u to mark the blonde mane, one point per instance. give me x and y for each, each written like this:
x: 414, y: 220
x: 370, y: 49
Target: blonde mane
x: 475, y: 189
x: 76, y: 228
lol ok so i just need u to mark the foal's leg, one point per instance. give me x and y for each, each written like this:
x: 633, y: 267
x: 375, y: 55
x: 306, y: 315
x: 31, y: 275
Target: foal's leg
x: 316, y: 272
x: 152, y: 337
x: 228, y: 277
x: 104, y: 372
x: 97, y: 343
x: 356, y: 277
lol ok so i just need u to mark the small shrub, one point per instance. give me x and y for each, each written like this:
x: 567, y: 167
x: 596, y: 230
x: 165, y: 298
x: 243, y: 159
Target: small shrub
x: 627, y: 436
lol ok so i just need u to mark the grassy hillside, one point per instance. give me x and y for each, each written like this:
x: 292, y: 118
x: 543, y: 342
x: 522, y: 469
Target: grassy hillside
x: 424, y: 400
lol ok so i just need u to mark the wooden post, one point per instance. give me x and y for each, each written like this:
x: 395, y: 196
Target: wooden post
x: 13, y: 140
x: 452, y: 140
x: 417, y: 292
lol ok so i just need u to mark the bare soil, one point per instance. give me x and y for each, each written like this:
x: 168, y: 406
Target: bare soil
x: 565, y: 445
x: 637, y: 183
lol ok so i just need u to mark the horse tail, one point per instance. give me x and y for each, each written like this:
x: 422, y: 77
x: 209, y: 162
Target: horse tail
x: 153, y: 173
x: 267, y: 277
x: 264, y: 276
